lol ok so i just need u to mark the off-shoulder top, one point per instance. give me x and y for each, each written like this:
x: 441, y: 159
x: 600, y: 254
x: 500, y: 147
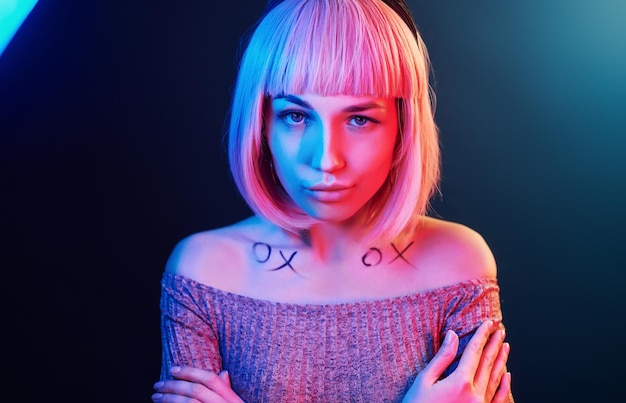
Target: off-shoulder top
x: 369, y: 351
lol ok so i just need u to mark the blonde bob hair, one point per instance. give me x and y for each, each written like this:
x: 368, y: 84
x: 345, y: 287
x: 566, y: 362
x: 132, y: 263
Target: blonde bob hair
x: 331, y: 47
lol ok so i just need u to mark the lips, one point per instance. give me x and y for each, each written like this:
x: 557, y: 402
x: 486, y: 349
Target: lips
x: 328, y: 188
x: 329, y: 193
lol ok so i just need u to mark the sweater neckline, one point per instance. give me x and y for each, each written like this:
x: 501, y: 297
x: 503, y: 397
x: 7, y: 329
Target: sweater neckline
x: 447, y: 290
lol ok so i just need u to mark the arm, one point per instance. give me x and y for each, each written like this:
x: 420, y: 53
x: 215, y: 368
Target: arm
x: 200, y: 385
x: 479, y: 377
x: 188, y: 328
x: 191, y: 363
x: 467, y: 309
x: 472, y: 360
x: 463, y: 257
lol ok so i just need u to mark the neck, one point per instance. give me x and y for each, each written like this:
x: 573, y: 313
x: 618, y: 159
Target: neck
x: 332, y: 242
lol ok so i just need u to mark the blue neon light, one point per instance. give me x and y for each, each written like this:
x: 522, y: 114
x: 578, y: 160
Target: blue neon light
x: 12, y: 15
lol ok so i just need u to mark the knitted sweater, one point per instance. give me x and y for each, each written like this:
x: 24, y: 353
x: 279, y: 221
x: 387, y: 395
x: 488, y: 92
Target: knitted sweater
x: 368, y: 351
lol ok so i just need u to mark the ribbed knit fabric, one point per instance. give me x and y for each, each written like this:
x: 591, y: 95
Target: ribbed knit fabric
x: 367, y: 351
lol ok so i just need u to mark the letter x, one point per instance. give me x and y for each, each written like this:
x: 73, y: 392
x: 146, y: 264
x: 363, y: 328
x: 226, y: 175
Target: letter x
x: 287, y: 262
x: 400, y: 254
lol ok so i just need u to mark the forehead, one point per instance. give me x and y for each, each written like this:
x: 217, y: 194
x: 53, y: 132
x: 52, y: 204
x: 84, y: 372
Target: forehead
x: 341, y: 103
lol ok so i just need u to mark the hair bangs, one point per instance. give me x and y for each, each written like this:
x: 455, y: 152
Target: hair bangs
x: 331, y: 47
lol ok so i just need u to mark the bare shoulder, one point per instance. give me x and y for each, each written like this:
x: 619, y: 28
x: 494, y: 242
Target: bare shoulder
x: 214, y: 257
x: 453, y: 252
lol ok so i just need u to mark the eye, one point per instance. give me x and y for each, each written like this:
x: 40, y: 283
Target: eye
x: 296, y: 117
x: 360, y: 121
x: 293, y: 117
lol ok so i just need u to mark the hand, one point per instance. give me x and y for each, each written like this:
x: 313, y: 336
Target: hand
x: 193, y: 385
x: 480, y: 377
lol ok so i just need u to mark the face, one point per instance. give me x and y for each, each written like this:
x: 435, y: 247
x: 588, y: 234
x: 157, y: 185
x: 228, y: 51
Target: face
x: 331, y: 153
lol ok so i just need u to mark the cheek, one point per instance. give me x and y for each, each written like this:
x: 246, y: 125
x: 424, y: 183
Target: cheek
x: 378, y: 161
x: 389, y: 148
x: 377, y: 155
x: 283, y: 159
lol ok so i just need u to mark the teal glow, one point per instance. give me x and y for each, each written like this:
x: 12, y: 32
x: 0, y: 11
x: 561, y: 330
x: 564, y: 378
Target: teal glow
x: 12, y: 15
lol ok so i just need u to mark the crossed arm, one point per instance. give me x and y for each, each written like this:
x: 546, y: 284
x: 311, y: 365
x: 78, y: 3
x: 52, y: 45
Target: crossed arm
x: 480, y: 376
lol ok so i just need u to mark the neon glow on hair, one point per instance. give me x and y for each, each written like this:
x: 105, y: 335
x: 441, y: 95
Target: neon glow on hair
x: 332, y: 47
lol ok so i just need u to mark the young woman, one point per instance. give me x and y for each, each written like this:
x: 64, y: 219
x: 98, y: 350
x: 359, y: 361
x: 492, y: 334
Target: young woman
x: 339, y: 288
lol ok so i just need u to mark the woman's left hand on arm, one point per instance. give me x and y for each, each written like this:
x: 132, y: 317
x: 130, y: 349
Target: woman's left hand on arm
x: 194, y: 385
x: 481, y: 375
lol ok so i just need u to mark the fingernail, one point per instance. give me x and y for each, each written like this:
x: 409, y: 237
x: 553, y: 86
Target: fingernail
x: 157, y: 396
x: 159, y: 385
x: 449, y: 336
x: 502, y: 334
x: 175, y: 370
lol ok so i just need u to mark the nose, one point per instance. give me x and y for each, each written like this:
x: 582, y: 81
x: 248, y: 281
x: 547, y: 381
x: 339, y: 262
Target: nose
x: 328, y: 150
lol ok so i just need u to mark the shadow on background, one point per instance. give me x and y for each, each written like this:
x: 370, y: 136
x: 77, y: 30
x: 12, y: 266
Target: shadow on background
x: 111, y: 123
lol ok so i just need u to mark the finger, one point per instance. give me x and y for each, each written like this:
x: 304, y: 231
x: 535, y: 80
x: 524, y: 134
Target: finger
x: 498, y: 370
x: 170, y: 398
x: 442, y: 359
x: 488, y: 359
x: 225, y: 377
x: 209, y: 379
x: 470, y: 359
x: 504, y: 390
x: 174, y: 391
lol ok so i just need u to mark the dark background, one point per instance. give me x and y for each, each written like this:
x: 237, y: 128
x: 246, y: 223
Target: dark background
x: 111, y: 122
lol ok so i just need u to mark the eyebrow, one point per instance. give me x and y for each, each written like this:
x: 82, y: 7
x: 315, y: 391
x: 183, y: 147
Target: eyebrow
x: 350, y: 109
x: 295, y: 100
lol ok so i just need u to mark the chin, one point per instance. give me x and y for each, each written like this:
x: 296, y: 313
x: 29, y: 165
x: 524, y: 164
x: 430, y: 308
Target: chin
x: 334, y: 215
